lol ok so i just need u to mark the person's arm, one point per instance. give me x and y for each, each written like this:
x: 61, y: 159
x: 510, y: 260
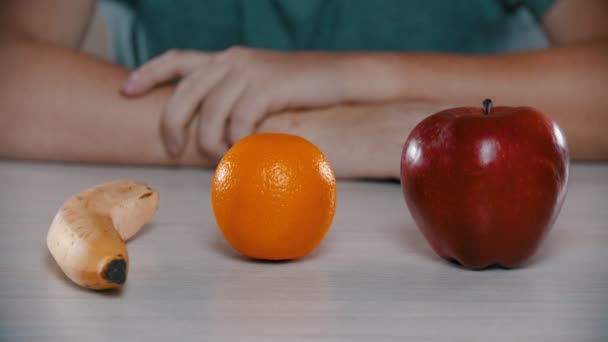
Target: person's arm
x: 59, y: 104
x: 568, y: 81
x: 360, y: 141
x: 237, y: 88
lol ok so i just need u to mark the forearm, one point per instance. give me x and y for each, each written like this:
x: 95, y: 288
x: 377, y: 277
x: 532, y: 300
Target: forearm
x: 360, y: 141
x: 568, y: 83
x: 57, y: 104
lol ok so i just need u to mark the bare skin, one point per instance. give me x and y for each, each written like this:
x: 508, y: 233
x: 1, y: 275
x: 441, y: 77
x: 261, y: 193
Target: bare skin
x: 70, y: 110
x: 74, y: 111
x: 366, y: 139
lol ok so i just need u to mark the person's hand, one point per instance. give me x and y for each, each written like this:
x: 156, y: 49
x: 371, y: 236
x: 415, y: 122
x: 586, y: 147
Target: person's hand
x: 233, y: 90
x: 360, y: 141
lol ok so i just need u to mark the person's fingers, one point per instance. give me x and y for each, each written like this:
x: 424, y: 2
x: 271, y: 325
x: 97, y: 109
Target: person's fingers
x: 183, y: 104
x: 168, y: 66
x: 249, y: 109
x: 215, y: 112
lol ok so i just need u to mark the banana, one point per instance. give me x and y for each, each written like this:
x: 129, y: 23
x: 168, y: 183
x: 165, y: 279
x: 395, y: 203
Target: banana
x: 87, y: 236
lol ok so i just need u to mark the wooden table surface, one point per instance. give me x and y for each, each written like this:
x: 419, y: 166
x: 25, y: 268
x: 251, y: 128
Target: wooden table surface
x: 374, y: 278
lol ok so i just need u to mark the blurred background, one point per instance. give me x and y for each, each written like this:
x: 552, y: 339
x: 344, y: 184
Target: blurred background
x: 526, y: 34
x: 97, y: 41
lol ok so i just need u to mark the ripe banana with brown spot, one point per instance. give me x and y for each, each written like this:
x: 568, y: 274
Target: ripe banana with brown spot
x: 87, y: 236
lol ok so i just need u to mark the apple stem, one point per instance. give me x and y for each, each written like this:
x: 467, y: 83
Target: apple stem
x: 487, y: 106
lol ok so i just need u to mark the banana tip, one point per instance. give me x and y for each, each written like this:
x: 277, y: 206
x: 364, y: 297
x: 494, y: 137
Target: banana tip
x: 115, y: 271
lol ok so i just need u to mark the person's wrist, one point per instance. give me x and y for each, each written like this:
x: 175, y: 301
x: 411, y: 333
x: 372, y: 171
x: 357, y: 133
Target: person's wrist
x: 371, y: 77
x: 283, y: 122
x: 347, y: 77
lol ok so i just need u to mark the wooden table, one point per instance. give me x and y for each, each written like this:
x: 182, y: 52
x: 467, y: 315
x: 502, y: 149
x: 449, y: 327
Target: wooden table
x: 374, y: 278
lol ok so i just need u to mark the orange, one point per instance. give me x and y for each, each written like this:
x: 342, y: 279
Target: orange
x: 274, y: 196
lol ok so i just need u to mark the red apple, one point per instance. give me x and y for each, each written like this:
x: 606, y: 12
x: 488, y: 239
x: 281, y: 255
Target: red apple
x: 485, y: 185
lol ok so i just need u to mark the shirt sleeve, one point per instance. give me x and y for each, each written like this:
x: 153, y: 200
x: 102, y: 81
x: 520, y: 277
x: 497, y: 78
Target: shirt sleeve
x: 539, y: 7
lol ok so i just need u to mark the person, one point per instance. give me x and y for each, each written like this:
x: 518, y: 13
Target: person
x: 354, y: 77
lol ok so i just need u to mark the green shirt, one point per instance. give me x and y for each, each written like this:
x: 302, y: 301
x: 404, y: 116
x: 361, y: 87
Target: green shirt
x: 142, y: 29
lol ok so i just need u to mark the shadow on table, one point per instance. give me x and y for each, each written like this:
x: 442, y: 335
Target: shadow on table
x: 54, y: 269
x: 556, y: 241
x: 145, y: 230
x: 413, y: 241
x: 221, y: 246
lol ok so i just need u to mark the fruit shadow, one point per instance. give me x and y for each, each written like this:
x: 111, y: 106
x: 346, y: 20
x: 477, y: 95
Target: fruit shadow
x: 408, y: 236
x: 413, y: 241
x: 54, y: 269
x: 144, y: 231
x: 221, y: 246
x: 556, y: 240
